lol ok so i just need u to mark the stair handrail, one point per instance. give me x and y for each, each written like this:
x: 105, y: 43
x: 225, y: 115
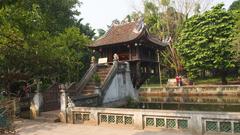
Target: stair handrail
x: 87, y: 76
x: 109, y: 77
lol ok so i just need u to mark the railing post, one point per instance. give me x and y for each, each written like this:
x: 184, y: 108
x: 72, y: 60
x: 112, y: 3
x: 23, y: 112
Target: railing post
x: 63, y: 102
x: 196, y: 125
x: 93, y: 60
x: 138, y: 120
x: 36, y: 103
x: 115, y: 57
x: 14, y: 108
x: 97, y: 90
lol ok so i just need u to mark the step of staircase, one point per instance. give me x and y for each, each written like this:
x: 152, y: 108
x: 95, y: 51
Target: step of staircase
x: 102, y: 73
x: 89, y: 87
x: 102, y: 78
x: 49, y: 120
x: 88, y: 91
x: 105, y: 71
x: 103, y: 68
x: 86, y: 100
x: 91, y: 83
x: 51, y: 116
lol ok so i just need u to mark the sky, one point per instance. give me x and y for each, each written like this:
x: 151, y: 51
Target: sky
x: 100, y: 13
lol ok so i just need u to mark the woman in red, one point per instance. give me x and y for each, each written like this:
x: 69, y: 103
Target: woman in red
x: 178, y: 79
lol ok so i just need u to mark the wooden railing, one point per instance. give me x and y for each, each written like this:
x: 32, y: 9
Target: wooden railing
x: 87, y: 76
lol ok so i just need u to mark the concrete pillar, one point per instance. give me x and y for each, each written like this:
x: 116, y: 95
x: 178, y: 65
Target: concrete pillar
x: 199, y: 90
x: 97, y: 90
x: 138, y: 120
x: 63, y: 103
x: 37, y: 102
x: 115, y: 57
x: 220, y: 90
x: 195, y: 125
x: 94, y: 117
x: 93, y: 60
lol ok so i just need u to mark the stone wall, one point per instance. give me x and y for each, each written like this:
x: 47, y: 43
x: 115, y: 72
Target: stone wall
x: 195, y: 90
x: 193, y: 122
x: 121, y: 86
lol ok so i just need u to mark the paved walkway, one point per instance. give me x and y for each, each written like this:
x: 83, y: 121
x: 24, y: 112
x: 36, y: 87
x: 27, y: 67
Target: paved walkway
x: 28, y: 127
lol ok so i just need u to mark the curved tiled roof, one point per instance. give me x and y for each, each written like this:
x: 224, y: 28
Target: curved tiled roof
x: 124, y: 33
x: 119, y: 33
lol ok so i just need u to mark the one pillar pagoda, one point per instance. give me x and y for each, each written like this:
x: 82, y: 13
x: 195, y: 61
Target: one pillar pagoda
x: 132, y: 43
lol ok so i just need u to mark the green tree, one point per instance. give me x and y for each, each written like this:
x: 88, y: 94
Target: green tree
x: 85, y: 28
x: 235, y: 10
x: 101, y: 32
x: 72, y: 52
x: 41, y: 39
x: 165, y: 23
x: 204, y: 42
x: 235, y: 5
x: 152, y: 18
x: 58, y: 14
x: 165, y: 19
x: 165, y: 2
x: 134, y: 16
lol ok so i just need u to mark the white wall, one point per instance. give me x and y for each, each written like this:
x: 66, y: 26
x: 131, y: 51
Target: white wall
x: 120, y: 87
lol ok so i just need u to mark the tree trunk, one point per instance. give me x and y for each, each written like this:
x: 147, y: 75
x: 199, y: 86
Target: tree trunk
x: 223, y: 76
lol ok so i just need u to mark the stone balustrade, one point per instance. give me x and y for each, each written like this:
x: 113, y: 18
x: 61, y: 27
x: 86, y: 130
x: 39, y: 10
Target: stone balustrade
x: 193, y: 122
x: 194, y: 90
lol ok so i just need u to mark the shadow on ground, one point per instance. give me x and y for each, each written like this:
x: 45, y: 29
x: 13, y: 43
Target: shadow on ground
x: 31, y: 127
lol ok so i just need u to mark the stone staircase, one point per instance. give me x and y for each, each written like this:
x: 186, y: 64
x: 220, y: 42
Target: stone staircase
x: 84, y: 93
x: 102, y: 72
x: 114, y: 84
x: 89, y: 88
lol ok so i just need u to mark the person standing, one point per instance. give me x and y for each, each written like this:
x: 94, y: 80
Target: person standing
x: 178, y: 78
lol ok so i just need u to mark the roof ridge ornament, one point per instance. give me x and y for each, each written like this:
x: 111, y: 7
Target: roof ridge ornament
x: 140, y: 25
x: 116, y: 22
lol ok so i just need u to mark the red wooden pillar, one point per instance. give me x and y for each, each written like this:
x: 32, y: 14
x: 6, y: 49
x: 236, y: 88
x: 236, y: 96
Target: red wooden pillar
x: 130, y: 52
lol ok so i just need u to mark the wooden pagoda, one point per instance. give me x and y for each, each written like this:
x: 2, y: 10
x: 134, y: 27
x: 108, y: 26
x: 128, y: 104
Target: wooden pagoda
x: 132, y: 43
